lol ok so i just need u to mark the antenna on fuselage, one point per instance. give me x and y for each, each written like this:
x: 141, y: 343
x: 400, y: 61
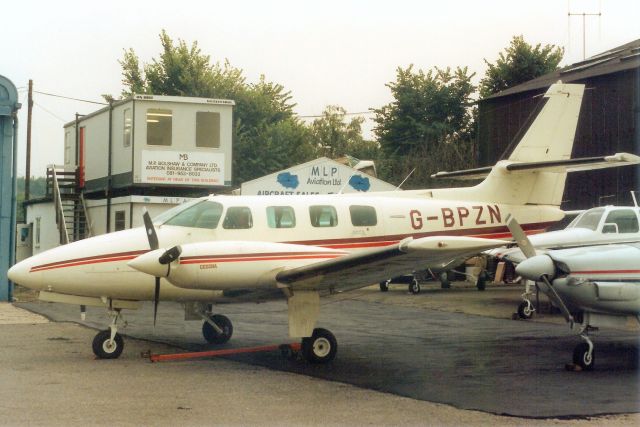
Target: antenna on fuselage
x: 403, y: 181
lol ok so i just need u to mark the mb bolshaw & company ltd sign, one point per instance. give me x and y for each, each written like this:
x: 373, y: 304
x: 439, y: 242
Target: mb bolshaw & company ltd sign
x: 188, y: 168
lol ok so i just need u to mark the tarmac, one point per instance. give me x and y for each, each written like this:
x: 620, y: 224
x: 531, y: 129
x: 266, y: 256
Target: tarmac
x: 426, y: 359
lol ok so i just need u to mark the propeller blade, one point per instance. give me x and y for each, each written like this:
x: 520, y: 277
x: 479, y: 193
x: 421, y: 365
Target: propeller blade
x: 537, y: 268
x: 151, y: 231
x: 520, y: 237
x: 156, y: 300
x: 557, y: 301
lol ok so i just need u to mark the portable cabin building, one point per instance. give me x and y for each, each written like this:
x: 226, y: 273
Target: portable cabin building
x: 146, y: 144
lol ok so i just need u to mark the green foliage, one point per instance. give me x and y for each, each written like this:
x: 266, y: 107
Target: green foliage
x: 429, y: 109
x: 335, y: 137
x: 37, y: 189
x: 520, y: 62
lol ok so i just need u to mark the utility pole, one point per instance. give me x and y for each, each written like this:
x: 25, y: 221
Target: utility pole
x: 584, y: 26
x: 27, y: 178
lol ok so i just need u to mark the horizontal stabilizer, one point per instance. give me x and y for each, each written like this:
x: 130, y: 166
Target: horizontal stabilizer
x: 558, y: 166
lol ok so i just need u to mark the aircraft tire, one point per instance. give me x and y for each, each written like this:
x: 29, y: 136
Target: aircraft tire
x: 414, y: 286
x: 384, y: 286
x: 525, y: 311
x: 212, y: 336
x: 103, y: 350
x: 582, y: 358
x: 444, y: 280
x: 321, y: 347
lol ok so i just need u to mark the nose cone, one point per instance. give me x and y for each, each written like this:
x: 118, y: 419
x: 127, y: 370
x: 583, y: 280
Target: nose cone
x: 21, y: 274
x: 149, y: 263
x: 536, y: 267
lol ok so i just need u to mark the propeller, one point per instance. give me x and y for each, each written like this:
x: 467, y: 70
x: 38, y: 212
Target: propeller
x: 153, y: 245
x: 539, y: 268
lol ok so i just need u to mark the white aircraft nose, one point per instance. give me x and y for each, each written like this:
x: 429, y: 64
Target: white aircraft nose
x: 149, y: 263
x: 536, y: 267
x: 21, y: 274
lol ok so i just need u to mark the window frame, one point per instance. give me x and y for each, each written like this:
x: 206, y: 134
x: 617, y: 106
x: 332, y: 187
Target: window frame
x: 366, y: 210
x: 273, y: 214
x: 216, y: 138
x: 166, y: 114
x: 237, y: 225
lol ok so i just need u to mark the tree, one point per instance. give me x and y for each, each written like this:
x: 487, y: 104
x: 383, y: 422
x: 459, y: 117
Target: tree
x: 429, y: 109
x: 520, y: 62
x: 266, y: 134
x: 334, y: 136
x: 428, y: 127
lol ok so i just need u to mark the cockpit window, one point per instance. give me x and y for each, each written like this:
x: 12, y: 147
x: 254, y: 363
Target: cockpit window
x: 625, y: 220
x: 590, y: 219
x: 202, y: 214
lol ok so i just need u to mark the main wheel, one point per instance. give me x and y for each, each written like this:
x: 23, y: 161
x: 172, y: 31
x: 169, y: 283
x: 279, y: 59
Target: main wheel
x: 211, y: 335
x: 321, y: 347
x: 582, y: 358
x: 104, y: 348
x: 444, y: 280
x: 525, y: 310
x: 384, y: 286
x: 481, y: 281
x: 414, y: 286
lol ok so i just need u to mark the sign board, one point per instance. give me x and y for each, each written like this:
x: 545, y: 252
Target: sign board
x: 182, y: 168
x: 321, y: 176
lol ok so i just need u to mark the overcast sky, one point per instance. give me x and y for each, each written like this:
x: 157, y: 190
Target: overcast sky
x: 329, y: 52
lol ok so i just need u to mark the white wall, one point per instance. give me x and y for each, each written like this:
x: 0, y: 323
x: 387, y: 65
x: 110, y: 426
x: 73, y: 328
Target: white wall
x: 49, y: 235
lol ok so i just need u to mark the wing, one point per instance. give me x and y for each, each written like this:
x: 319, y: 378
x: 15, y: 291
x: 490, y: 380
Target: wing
x: 364, y: 268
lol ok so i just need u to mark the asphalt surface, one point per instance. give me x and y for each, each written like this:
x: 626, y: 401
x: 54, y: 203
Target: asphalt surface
x: 494, y: 365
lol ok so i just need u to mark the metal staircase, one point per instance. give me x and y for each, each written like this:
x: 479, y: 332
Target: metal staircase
x: 72, y: 217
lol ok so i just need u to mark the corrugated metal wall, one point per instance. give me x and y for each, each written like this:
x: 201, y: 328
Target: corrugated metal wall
x: 609, y: 123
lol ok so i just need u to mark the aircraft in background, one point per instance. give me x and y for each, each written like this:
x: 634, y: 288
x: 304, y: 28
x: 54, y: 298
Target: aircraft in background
x: 592, y: 285
x: 596, y: 226
x: 251, y: 248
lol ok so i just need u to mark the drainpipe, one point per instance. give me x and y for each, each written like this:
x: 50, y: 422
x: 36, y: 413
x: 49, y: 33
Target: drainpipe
x: 109, y: 159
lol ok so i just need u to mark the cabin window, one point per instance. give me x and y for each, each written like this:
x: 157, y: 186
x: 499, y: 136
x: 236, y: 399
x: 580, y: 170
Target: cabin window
x: 363, y: 216
x: 120, y: 220
x: 590, y: 219
x: 625, y: 220
x: 207, y: 129
x: 126, y: 127
x: 323, y: 216
x: 238, y: 218
x: 204, y: 214
x: 281, y: 217
x: 159, y: 125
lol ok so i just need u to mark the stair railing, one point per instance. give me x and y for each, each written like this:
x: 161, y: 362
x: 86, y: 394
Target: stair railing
x: 60, y: 220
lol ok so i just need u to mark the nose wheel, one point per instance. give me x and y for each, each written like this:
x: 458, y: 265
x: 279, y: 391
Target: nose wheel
x: 108, y: 344
x: 217, y: 329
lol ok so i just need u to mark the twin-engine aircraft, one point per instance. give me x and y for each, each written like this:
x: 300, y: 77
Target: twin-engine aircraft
x: 299, y: 248
x: 592, y: 285
x: 597, y: 226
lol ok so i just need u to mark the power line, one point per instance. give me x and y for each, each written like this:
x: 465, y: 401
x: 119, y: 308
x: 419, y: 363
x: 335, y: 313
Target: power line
x: 71, y: 98
x: 51, y: 113
x: 360, y: 113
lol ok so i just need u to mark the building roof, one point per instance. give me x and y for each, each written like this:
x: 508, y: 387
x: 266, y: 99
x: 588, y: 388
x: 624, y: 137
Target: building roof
x: 621, y: 58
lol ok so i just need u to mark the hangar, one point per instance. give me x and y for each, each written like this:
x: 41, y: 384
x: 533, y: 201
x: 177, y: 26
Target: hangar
x: 609, y: 123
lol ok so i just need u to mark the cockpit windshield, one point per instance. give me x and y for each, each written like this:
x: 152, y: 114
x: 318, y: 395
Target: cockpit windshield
x: 197, y: 214
x: 589, y: 219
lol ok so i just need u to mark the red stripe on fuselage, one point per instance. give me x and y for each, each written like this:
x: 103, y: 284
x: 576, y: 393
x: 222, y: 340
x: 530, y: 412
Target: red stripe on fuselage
x: 204, y: 260
x: 351, y: 243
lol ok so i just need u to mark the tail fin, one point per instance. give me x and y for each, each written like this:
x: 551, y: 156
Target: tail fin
x: 549, y: 138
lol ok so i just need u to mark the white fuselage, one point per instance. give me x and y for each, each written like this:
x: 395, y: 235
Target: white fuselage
x: 97, y: 267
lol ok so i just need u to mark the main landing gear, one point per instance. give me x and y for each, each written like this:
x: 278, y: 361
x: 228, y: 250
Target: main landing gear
x: 108, y: 344
x: 320, y: 347
x: 583, y: 353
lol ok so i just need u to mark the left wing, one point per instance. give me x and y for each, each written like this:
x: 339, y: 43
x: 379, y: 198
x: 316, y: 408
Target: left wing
x: 361, y: 269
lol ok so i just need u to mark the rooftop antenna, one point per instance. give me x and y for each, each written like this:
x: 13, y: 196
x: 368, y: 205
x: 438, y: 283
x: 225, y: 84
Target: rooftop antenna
x: 403, y: 181
x: 584, y: 26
